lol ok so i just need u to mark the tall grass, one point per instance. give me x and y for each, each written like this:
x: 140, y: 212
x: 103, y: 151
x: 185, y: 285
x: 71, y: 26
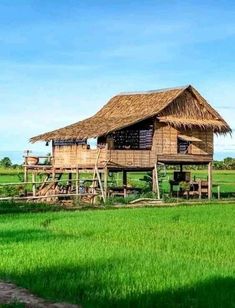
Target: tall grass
x: 170, y: 257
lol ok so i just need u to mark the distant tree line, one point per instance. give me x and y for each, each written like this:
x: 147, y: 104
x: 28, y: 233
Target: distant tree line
x: 227, y: 164
x: 6, y: 162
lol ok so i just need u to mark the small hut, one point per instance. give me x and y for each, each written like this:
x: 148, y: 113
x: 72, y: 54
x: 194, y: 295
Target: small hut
x: 137, y: 131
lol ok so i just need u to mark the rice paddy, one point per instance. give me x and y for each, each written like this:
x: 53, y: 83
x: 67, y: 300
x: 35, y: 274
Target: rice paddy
x: 224, y: 178
x: 149, y: 257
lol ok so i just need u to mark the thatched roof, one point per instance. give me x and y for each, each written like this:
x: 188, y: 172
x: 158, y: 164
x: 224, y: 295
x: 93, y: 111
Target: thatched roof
x: 180, y: 107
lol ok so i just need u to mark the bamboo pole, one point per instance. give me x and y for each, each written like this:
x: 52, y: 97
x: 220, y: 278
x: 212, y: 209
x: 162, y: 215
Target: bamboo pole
x: 25, y: 174
x: 45, y: 197
x: 200, y: 189
x: 106, y: 182
x: 31, y: 182
x: 210, y: 180
x: 34, y: 185
x: 125, y: 183
x: 154, y: 188
x: 77, y: 182
x: 157, y: 181
x: 100, y: 183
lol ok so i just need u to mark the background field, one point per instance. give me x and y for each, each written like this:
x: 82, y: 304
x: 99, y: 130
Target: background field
x: 224, y: 178
x: 148, y: 257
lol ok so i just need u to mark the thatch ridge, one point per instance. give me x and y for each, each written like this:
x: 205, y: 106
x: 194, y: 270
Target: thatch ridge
x: 153, y: 91
x: 127, y: 109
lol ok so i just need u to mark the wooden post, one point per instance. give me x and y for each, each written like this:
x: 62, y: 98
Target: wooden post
x: 209, y: 180
x: 33, y: 184
x: 157, y: 181
x: 70, y: 182
x: 218, y: 192
x: 154, y: 187
x: 106, y: 182
x: 25, y: 174
x: 77, y: 185
x: 77, y: 182
x: 100, y: 183
x: 53, y: 179
x: 124, y: 183
x: 200, y: 189
x: 181, y: 168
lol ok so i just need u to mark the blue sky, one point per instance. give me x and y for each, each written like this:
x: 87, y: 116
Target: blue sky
x: 62, y: 60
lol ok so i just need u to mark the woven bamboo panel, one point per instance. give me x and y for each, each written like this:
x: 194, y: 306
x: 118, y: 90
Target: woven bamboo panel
x: 165, y: 142
x: 131, y: 158
x: 68, y: 156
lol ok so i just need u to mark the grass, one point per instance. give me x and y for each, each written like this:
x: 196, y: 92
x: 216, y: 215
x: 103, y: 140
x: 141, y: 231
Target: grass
x: 224, y: 178
x: 149, y: 257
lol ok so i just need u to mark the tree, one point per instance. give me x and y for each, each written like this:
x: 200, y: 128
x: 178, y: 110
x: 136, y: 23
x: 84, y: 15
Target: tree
x: 229, y: 163
x: 5, y: 162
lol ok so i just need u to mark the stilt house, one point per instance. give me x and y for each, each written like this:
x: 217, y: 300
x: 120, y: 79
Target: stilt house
x: 136, y: 131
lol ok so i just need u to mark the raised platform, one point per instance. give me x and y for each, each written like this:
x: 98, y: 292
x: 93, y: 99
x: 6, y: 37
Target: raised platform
x: 178, y: 159
x: 190, y: 159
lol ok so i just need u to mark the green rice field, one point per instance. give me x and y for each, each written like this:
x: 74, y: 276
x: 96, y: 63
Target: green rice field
x: 224, y: 178
x: 146, y: 257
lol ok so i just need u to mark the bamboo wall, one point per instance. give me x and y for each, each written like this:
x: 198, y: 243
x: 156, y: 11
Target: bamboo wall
x: 204, y: 147
x: 164, y: 144
x: 72, y: 156
x: 165, y: 140
x: 132, y: 158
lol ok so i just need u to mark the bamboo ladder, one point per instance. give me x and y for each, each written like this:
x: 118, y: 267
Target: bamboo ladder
x: 96, y: 177
x: 155, y: 178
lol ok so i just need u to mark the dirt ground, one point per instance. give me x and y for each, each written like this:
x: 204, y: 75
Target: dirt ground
x: 11, y: 294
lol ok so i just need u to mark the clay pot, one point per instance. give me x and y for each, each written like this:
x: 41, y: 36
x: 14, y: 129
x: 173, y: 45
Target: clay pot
x: 31, y: 160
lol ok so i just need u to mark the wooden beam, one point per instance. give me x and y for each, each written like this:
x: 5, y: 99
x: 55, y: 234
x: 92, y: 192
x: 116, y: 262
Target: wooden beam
x: 100, y: 184
x: 106, y: 173
x: 46, y: 196
x: 77, y: 182
x: 157, y: 181
x: 154, y: 187
x: 70, y: 177
x: 25, y: 175
x: 210, y: 180
x: 200, y: 189
x: 34, y: 185
x: 124, y: 183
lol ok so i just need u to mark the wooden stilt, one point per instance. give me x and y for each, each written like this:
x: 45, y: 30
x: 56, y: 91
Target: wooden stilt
x: 210, y: 180
x: 200, y: 189
x: 154, y: 188
x: 157, y: 181
x: 100, y: 184
x: 77, y: 182
x: 218, y: 192
x: 77, y: 185
x: 25, y: 175
x: 33, y: 184
x: 125, y: 183
x: 69, y: 181
x: 106, y: 182
x: 53, y: 180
